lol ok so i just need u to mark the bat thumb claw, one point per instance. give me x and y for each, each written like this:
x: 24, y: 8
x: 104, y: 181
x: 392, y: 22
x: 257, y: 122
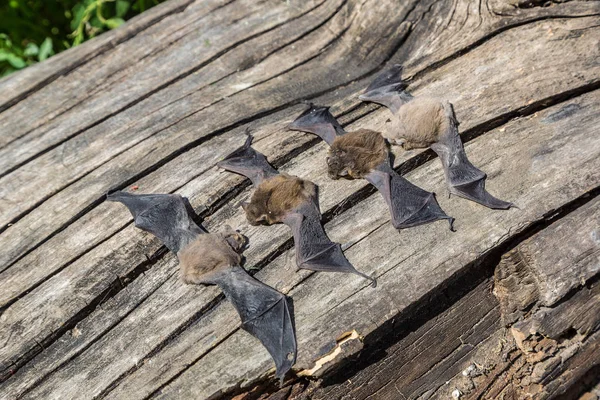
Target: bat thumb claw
x: 451, y: 222
x: 373, y: 282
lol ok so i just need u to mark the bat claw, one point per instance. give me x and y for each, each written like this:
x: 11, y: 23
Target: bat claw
x: 451, y: 222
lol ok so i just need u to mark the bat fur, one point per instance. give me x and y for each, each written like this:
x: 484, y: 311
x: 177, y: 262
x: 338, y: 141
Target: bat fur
x: 420, y: 122
x: 215, y: 259
x: 282, y: 198
x: 277, y: 196
x: 355, y: 154
x: 365, y: 154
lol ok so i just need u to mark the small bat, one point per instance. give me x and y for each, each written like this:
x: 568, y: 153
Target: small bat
x: 282, y: 198
x: 365, y: 154
x: 215, y: 259
x: 421, y: 122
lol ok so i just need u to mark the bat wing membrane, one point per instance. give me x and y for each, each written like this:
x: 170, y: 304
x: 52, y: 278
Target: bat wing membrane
x: 265, y: 314
x: 409, y: 205
x: 314, y: 250
x: 166, y: 216
x: 463, y: 178
x: 248, y: 162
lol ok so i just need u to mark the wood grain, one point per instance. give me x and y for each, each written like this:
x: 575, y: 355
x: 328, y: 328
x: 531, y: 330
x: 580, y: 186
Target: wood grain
x: 156, y: 103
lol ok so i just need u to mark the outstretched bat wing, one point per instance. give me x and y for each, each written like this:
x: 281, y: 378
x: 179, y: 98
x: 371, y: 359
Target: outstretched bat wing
x: 463, y: 178
x: 409, y: 205
x: 314, y: 250
x: 248, y: 162
x: 388, y: 89
x: 265, y: 313
x: 166, y: 216
x: 319, y: 121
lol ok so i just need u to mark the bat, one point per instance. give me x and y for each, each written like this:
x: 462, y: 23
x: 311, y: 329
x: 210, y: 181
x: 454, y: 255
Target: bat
x: 365, y: 154
x: 215, y: 259
x: 282, y: 198
x: 421, y: 122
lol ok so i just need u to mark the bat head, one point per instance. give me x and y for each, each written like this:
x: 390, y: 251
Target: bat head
x: 339, y: 164
x: 319, y: 121
x: 235, y: 239
x: 256, y: 214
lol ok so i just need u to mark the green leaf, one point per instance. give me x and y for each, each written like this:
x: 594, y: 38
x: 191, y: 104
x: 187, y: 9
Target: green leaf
x: 114, y: 22
x: 78, y: 11
x: 31, y: 50
x: 45, y: 49
x: 5, y: 40
x: 96, y: 23
x: 16, y: 62
x: 122, y: 7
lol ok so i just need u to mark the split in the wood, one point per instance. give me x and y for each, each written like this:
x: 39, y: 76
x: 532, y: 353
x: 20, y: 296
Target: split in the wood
x: 282, y: 198
x: 365, y: 154
x: 420, y: 122
x: 215, y: 259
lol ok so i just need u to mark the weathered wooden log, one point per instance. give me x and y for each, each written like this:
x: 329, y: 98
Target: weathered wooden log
x: 92, y: 307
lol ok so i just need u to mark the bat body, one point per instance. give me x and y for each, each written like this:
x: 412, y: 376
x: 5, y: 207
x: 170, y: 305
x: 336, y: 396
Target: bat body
x: 215, y: 259
x: 282, y: 198
x: 421, y: 122
x: 365, y: 154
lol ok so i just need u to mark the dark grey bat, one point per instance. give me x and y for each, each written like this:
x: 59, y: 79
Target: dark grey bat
x: 281, y: 198
x: 421, y: 122
x: 364, y: 154
x: 215, y: 259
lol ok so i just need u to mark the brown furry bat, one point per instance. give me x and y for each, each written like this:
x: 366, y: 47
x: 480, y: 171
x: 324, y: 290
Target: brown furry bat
x: 425, y: 122
x: 355, y: 154
x: 277, y: 196
x: 215, y: 259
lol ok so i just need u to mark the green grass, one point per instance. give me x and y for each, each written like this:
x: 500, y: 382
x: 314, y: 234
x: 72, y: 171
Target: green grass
x: 33, y: 30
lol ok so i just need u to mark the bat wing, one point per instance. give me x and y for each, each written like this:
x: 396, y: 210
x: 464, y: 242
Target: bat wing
x: 388, y: 89
x: 167, y: 216
x: 463, y: 178
x: 319, y: 121
x: 314, y: 250
x: 265, y: 313
x: 248, y: 162
x: 409, y: 205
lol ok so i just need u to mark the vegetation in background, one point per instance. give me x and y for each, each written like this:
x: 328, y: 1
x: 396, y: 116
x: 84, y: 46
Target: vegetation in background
x: 33, y: 30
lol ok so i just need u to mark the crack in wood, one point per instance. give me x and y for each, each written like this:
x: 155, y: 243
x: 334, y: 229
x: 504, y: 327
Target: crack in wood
x: 433, y: 303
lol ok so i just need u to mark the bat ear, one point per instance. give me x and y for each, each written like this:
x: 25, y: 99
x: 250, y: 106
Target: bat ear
x: 262, y: 219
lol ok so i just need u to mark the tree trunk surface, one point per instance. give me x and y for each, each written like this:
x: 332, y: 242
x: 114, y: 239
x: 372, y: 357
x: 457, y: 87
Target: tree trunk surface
x: 507, y: 307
